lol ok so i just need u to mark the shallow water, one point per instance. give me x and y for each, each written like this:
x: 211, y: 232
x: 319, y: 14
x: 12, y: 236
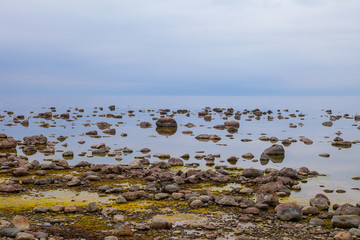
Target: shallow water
x: 340, y: 167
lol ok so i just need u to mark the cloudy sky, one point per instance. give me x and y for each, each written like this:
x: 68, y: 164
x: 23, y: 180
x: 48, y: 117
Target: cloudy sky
x: 180, y: 47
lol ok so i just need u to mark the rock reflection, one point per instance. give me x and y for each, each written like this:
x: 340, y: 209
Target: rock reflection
x: 166, y: 131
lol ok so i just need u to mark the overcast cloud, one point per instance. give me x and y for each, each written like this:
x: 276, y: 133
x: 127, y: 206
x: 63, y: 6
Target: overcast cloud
x: 182, y: 47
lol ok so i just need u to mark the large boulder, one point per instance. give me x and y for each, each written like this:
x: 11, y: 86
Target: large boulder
x: 346, y: 221
x: 320, y: 202
x: 347, y: 209
x: 166, y: 122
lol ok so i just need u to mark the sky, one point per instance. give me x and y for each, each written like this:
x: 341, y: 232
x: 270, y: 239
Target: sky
x: 180, y: 47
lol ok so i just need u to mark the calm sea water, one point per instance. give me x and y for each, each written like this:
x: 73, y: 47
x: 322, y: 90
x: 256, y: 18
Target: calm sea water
x: 340, y: 167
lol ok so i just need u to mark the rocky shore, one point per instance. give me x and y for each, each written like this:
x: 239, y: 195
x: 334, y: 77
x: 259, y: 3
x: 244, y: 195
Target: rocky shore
x: 157, y: 196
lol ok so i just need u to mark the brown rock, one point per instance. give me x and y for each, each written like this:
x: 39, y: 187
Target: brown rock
x: 21, y: 222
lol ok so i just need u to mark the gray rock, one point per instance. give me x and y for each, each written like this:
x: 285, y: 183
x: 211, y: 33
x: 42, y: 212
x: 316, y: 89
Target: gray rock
x: 289, y: 214
x: 275, y: 150
x: 171, y: 188
x: 226, y: 200
x: 161, y: 196
x: 316, y: 222
x: 120, y: 200
x: 9, y: 232
x: 40, y: 209
x: 355, y: 232
x: 252, y: 172
x: 267, y: 197
x: 320, y: 203
x: 24, y: 236
x: 346, y: 221
x: 197, y: 203
x: 92, y: 207
x: 347, y: 209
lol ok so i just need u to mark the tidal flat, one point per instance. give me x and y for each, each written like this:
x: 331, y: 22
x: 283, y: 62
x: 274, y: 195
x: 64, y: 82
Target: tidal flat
x: 115, y: 172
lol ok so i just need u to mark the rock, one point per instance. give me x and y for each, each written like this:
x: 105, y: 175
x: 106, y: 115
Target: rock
x: 267, y: 197
x: 123, y: 230
x: 248, y: 156
x: 289, y: 214
x: 161, y: 196
x: 68, y: 154
x: 136, y: 164
x: 11, y: 188
x: 233, y: 124
x: 7, y: 143
x: 226, y: 200
x: 111, y: 238
x: 70, y: 209
x: 275, y: 150
x: 111, y: 131
x: 109, y: 211
x: 92, y: 133
x: 41, y: 235
x: 120, y: 200
x: 145, y: 125
x: 346, y: 221
x: 21, y: 222
x: 158, y: 223
x: 196, y: 204
x: 275, y: 187
x: 130, y: 196
x: 35, y: 140
x: 343, y: 236
x: 327, y: 124
x: 316, y: 222
x: 347, y: 209
x: 103, y: 125
x: 171, y: 188
x: 20, y: 171
x: 9, y: 232
x: 289, y: 172
x: 24, y: 236
x: 246, y: 191
x: 118, y: 218
x: 57, y: 208
x: 252, y: 210
x: 286, y: 205
x: 4, y: 224
x: 321, y: 203
x: 40, y: 209
x: 166, y: 122
x: 252, y: 172
x: 92, y: 207
x: 325, y: 155
x: 310, y: 210
x: 355, y: 232
x: 175, y: 162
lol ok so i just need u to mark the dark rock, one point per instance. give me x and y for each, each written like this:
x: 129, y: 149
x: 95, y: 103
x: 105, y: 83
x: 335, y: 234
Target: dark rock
x: 11, y: 188
x: 166, y: 122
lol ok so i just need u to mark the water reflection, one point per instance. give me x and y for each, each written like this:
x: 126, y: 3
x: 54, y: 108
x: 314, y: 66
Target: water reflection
x: 166, y: 131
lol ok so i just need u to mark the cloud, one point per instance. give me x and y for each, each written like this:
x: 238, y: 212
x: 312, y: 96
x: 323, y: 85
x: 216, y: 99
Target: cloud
x: 257, y: 46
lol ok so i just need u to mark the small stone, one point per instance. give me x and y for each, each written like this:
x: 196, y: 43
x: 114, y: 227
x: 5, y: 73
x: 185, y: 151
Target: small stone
x: 57, y: 208
x: 40, y: 209
x: 123, y: 230
x: 92, y: 207
x: 158, y: 223
x: 118, y: 218
x: 24, y: 236
x: 343, y: 236
x: 70, y: 209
